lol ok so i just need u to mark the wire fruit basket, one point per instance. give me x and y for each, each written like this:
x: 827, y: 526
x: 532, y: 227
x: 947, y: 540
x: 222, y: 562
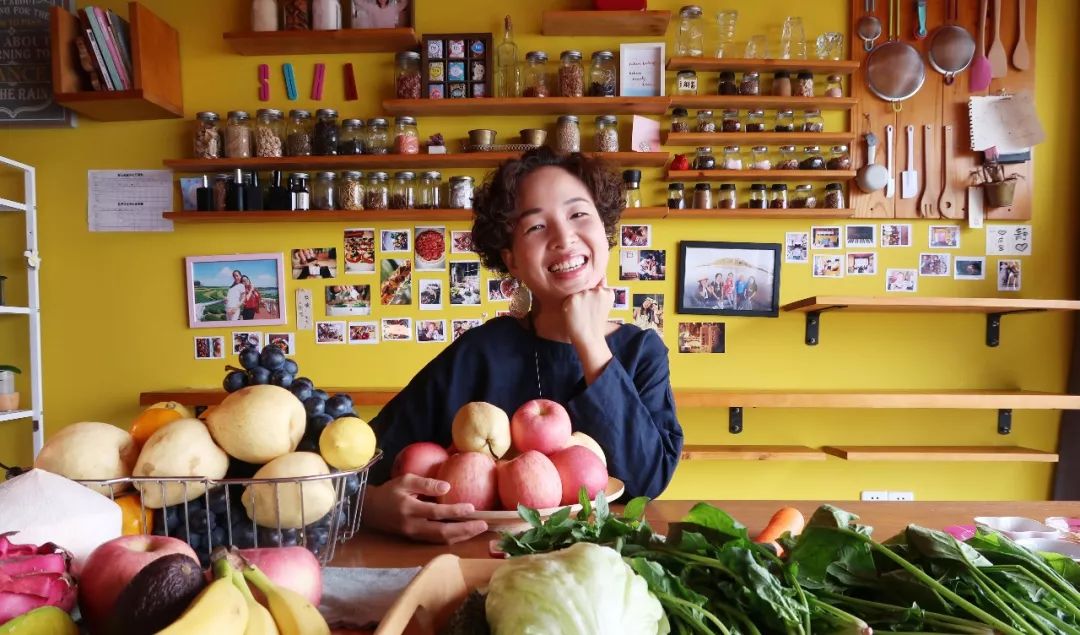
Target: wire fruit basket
x: 314, y: 512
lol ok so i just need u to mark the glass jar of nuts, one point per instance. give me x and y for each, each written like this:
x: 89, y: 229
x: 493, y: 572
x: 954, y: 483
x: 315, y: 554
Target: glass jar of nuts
x: 571, y: 74
x: 607, y: 133
x: 298, y: 134
x: 407, y: 75
x: 568, y: 134
x: 269, y: 133
x: 603, y: 74
x: 351, y: 191
x: 238, y: 136
x: 207, y: 139
x: 705, y: 121
x: 377, y: 191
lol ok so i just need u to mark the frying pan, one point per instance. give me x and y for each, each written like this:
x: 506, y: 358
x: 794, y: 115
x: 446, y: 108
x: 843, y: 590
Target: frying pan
x: 895, y: 70
x: 951, y: 48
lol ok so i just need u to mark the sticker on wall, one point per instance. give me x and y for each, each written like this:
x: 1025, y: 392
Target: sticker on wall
x: 649, y: 311
x: 395, y: 240
x: 796, y: 247
x: 363, y: 332
x: 826, y: 266
x: 458, y: 327
x: 502, y: 289
x: 395, y: 282
x: 461, y: 242
x: 701, y: 337
x: 635, y: 235
x: 859, y: 236
x: 348, y: 299
x: 1008, y: 240
x: 825, y: 237
x: 896, y: 236
x: 465, y: 283
x: 303, y: 309
x: 970, y: 268
x: 396, y: 329
x: 1008, y: 275
x: 430, y: 248
x: 944, y: 237
x: 314, y: 262
x: 622, y: 298
x: 359, y: 251
x: 862, y: 263
x: 285, y: 341
x: 431, y: 294
x: 901, y: 280
x: 210, y: 347
x: 431, y: 331
x: 243, y: 339
x: 934, y: 265
x: 329, y: 332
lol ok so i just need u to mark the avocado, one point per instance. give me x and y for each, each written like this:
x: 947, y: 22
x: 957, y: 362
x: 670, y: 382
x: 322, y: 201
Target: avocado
x: 157, y: 595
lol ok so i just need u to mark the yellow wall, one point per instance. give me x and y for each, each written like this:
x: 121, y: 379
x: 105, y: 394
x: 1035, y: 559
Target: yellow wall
x: 115, y: 315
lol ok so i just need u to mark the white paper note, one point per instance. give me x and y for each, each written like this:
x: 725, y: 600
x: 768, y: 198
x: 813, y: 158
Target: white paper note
x: 1008, y: 240
x: 129, y: 200
x: 1009, y: 123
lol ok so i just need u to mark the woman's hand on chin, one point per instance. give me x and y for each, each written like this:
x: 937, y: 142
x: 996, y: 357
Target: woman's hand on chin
x: 395, y: 507
x: 586, y: 313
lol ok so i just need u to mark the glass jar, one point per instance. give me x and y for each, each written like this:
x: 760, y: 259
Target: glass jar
x: 269, y: 133
x: 705, y: 121
x: 676, y: 198
x: 607, y: 133
x: 702, y: 196
x: 834, y: 86
x: 378, y: 136
x: 759, y: 158
x: 804, y: 84
x: 732, y: 158
x: 296, y: 14
x: 834, y: 196
x: 788, y: 159
x: 704, y: 159
x: 778, y: 196
x: 238, y: 136
x: 407, y: 75
x: 324, y: 191
x: 461, y: 192
x: 351, y: 191
x: 207, y: 139
x: 804, y: 197
x: 571, y: 74
x: 727, y: 196
x: 429, y: 192
x: 812, y: 159
x: 729, y: 121
x: 813, y: 121
x: 679, y: 121
x: 220, y: 192
x: 839, y: 159
x: 403, y: 191
x: 264, y: 15
x: 536, y: 79
x: 759, y: 197
x: 727, y: 84
x: 751, y: 83
x: 781, y: 84
x: 568, y: 135
x: 406, y: 136
x: 603, y: 74
x: 299, y: 193
x: 690, y: 40
x: 326, y: 15
x: 785, y: 121
x: 325, y: 142
x: 377, y: 191
x: 755, y: 120
x: 298, y: 134
x: 352, y: 137
x: 686, y: 83
x: 632, y: 181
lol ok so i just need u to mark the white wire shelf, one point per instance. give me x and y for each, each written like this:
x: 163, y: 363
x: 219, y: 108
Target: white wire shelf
x: 11, y: 206
x: 14, y: 310
x: 15, y: 415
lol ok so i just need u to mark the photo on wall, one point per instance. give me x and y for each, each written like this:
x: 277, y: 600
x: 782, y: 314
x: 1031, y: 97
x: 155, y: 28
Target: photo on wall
x: 717, y: 278
x: 893, y: 235
x: 285, y: 341
x: 459, y: 327
x: 238, y: 290
x: 1008, y: 275
x: 363, y: 332
x: 210, y: 347
x: 465, y: 283
x: 431, y: 294
x: 316, y: 262
x: 862, y: 263
x: 243, y: 339
x: 970, y: 268
x: 649, y: 311
x: 796, y: 247
x: 825, y: 237
x: 701, y: 337
x: 432, y: 331
x: 944, y: 237
x: 502, y: 289
x: 901, y: 280
x: 859, y: 236
x: 359, y: 251
x: 395, y: 282
x: 396, y: 329
x: 461, y: 242
x: 430, y: 248
x: 329, y: 332
x: 348, y: 299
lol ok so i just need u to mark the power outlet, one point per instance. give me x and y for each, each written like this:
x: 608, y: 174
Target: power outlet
x: 874, y: 495
x: 902, y: 496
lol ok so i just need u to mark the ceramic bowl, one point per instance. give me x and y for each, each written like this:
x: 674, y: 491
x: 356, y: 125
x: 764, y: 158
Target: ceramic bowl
x: 1016, y: 527
x: 1064, y: 547
x: 1062, y: 523
x: 482, y: 137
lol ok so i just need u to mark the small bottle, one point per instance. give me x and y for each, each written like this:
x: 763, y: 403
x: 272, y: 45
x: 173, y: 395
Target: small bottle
x: 727, y: 84
x: 729, y: 121
x: 804, y: 197
x: 813, y: 121
x: 675, y: 196
x: 727, y: 196
x: 407, y: 75
x: 755, y: 120
x: 406, y: 136
x: 759, y: 197
x: 778, y: 196
x: 403, y: 191
x: 269, y: 133
x: 429, y: 192
x: 207, y: 140
x: 686, y: 83
x: 690, y: 38
x: 759, y: 158
x: 834, y: 86
x: 325, y: 142
x: 607, y: 133
x: 298, y: 134
x: 839, y: 159
x: 567, y: 134
x: 278, y: 196
x: 603, y: 74
x: 378, y: 136
x: 238, y: 135
x: 204, y: 196
x: 299, y: 193
x: 804, y: 84
x: 834, y: 196
x: 751, y: 83
x: 352, y: 139
x: 324, y: 192
x: 234, y: 192
x: 679, y: 120
x: 377, y: 192
x: 704, y: 159
x: 812, y: 159
x: 785, y: 121
x: 461, y: 192
x: 253, y: 196
x: 536, y: 79
x: 632, y: 180
x: 788, y: 160
x: 705, y: 121
x: 571, y: 74
x: 732, y: 158
x: 702, y: 196
x: 781, y: 84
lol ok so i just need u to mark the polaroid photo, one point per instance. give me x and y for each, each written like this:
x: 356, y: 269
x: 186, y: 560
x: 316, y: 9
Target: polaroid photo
x: 458, y: 327
x: 330, y: 332
x: 316, y: 262
x: 461, y: 242
x: 701, y: 337
x: 431, y: 331
x: 828, y: 266
x: 622, y: 298
x: 431, y: 294
x: 395, y: 240
x: 856, y: 236
x: 502, y: 289
x: 465, y: 283
x: 944, y: 237
x: 210, y: 347
x: 893, y: 235
x: 430, y: 248
x: 396, y: 329
x: 628, y: 264
x: 348, y: 299
x: 285, y: 341
x: 969, y: 268
x: 1008, y: 275
x: 243, y: 339
x: 934, y: 265
x: 652, y: 264
x: 902, y: 280
x: 363, y: 332
x: 635, y: 235
x: 649, y: 311
x: 395, y: 282
x: 359, y: 251
x: 825, y: 237
x: 862, y: 263
x: 797, y: 247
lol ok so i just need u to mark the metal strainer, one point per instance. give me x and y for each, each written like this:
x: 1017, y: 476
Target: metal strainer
x: 951, y: 48
x: 895, y: 70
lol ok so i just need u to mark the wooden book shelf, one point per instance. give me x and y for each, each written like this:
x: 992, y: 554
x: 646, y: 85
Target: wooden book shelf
x: 640, y: 23
x: 319, y: 216
x: 760, y: 175
x: 464, y: 160
x: 764, y: 102
x: 515, y: 106
x: 322, y: 42
x: 995, y: 453
x: 770, y: 66
x: 757, y: 138
x: 751, y: 453
x: 214, y: 396
x: 155, y: 62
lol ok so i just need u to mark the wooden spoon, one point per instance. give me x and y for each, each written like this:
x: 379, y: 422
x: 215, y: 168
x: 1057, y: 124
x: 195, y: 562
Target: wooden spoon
x: 1021, y: 58
x: 999, y: 61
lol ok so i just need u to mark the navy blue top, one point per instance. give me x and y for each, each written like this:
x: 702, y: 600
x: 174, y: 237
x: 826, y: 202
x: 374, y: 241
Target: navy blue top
x: 629, y: 410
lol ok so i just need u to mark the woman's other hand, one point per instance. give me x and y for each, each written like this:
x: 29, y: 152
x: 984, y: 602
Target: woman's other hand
x: 395, y: 506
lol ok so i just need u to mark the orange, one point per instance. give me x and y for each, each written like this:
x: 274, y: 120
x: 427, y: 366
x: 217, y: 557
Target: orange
x: 150, y: 421
x: 132, y: 515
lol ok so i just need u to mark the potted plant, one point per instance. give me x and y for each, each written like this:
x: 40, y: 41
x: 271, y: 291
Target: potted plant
x: 9, y: 399
x: 998, y: 188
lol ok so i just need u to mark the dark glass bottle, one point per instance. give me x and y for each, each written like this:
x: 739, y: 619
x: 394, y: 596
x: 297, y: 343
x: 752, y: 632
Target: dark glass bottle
x: 235, y: 200
x: 277, y: 195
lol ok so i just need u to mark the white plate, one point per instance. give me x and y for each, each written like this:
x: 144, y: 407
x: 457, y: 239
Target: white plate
x: 1064, y: 547
x: 1016, y: 527
x: 511, y: 522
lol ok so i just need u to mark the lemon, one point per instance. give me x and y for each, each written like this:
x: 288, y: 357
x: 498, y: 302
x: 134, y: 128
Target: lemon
x: 185, y: 412
x: 347, y: 443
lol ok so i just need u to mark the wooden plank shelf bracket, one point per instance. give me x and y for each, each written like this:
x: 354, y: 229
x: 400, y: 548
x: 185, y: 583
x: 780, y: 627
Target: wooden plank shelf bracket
x: 813, y: 324
x: 1004, y: 419
x: 735, y: 422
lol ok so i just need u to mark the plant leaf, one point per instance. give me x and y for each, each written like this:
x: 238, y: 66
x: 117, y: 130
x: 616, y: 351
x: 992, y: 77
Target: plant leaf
x: 635, y: 508
x: 602, y: 509
x: 529, y: 515
x: 718, y: 520
x: 940, y: 545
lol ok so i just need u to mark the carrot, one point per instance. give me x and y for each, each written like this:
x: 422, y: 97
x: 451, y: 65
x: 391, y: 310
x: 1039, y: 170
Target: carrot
x: 786, y: 519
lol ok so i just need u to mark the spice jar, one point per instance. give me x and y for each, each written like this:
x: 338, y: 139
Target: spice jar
x: 632, y: 181
x: 804, y: 197
x: 813, y: 121
x: 429, y: 192
x: 269, y: 133
x: 675, y: 196
x: 785, y: 121
x: 298, y: 134
x: 407, y: 75
x: 326, y: 15
x: 759, y: 158
x: 602, y: 74
x: 377, y: 191
x: 778, y: 196
x: 406, y: 136
x: 678, y: 120
x: 296, y: 14
x: 324, y: 191
x: 352, y: 137
x: 607, y: 133
x: 238, y: 135
x: 299, y: 194
x: 264, y: 15
x: 378, y: 136
x: 726, y: 196
x: 727, y: 84
x: 759, y: 197
x: 536, y: 80
x: 755, y: 120
x: 571, y: 74
x: 325, y: 142
x: 686, y: 83
x: 461, y: 192
x: 729, y: 121
x: 690, y: 38
x: 220, y: 192
x: 705, y: 121
x: 834, y: 86
x: 567, y: 135
x: 781, y: 84
x: 351, y: 191
x: 839, y: 159
x: 804, y: 84
x: 834, y: 196
x: 207, y: 140
x: 702, y: 196
x: 812, y: 159
x: 403, y: 191
x: 704, y: 159
x: 788, y: 159
x: 751, y: 83
x: 732, y: 158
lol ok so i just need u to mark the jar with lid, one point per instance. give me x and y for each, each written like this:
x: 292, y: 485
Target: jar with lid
x: 326, y: 15
x: 207, y: 139
x: 788, y: 160
x: 804, y: 84
x: 403, y: 191
x: 632, y: 181
x: 377, y: 191
x: 686, y: 83
x: 299, y: 193
x: 732, y: 158
x: 812, y: 159
x: 705, y: 121
x: 378, y: 136
x: 679, y: 121
x: 704, y: 159
x: 264, y: 15
x: 834, y: 196
x: 804, y: 197
x: 407, y: 75
x: 536, y: 79
x: 727, y: 196
x: 785, y: 121
x: 351, y: 191
x: 729, y: 121
x: 676, y: 198
x: 429, y: 192
x: 727, y: 84
x: 781, y: 84
x: 778, y: 196
x: 839, y: 159
x: 220, y: 192
x: 607, y: 133
x: 690, y: 39
x: 352, y: 137
x: 755, y: 120
x: 406, y: 136
x: 813, y: 121
x: 298, y: 134
x: 269, y: 133
x: 238, y: 135
x: 296, y: 14
x: 702, y: 196
x: 834, y: 86
x: 751, y: 83
x: 603, y: 74
x: 759, y: 158
x: 461, y: 192
x: 567, y: 134
x: 324, y: 191
x: 759, y: 197
x: 571, y: 74
x: 325, y: 142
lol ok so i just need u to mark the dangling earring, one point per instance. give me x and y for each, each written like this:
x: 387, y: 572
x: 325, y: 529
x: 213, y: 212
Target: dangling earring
x: 521, y: 301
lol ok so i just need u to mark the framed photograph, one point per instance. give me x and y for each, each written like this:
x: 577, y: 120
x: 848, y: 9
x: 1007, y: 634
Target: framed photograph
x: 893, y: 235
x: 210, y: 347
x: 285, y: 341
x: 430, y: 248
x: 718, y: 278
x: 316, y: 262
x: 348, y: 299
x: 859, y: 236
x: 635, y: 235
x: 329, y: 332
x: 970, y: 268
x: 458, y: 327
x: 431, y: 294
x: 944, y: 237
x: 465, y: 283
x: 395, y: 282
x: 239, y: 290
x: 701, y: 337
x: 1008, y: 275
x: 461, y: 242
x: 934, y: 265
x: 649, y: 311
x: 825, y: 237
x: 641, y: 69
x: 862, y: 263
x: 902, y: 280
x: 797, y: 247
x: 243, y: 339
x: 359, y: 251
x: 397, y: 329
x: 363, y: 332
x: 828, y: 266
x: 431, y: 331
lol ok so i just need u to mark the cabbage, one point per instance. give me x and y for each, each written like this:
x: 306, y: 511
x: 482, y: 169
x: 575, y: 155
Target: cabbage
x: 584, y: 589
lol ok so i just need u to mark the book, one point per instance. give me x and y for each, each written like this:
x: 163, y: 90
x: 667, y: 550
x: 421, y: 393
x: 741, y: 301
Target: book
x: 114, y: 51
x: 99, y: 38
x: 91, y: 43
x: 122, y: 32
x: 87, y: 63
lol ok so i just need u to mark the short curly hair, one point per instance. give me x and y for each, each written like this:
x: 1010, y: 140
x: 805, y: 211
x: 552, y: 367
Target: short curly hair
x: 495, y: 201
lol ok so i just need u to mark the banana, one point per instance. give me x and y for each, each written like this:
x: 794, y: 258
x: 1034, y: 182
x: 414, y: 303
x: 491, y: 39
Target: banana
x: 260, y: 622
x: 219, y: 609
x: 45, y: 620
x: 292, y: 612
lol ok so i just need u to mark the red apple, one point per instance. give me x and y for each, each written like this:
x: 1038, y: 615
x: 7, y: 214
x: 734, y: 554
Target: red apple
x: 472, y: 480
x: 531, y: 480
x: 294, y: 568
x: 421, y: 459
x: 542, y: 425
x: 579, y: 466
x: 113, y: 564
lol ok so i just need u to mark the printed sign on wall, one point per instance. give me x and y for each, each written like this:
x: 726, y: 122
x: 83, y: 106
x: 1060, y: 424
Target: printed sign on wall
x: 26, y: 91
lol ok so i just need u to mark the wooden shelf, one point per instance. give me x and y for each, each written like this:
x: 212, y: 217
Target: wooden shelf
x: 733, y: 214
x: 15, y: 415
x: 770, y: 66
x: 464, y: 160
x: 877, y: 399
x: 14, y: 310
x: 764, y: 102
x: 940, y: 453
x: 338, y: 216
x: 213, y: 396
x: 514, y: 106
x: 643, y: 23
x: 322, y: 42
x: 872, y: 304
x: 155, y: 61
x: 751, y: 453
x: 760, y: 175
x: 757, y: 138
x: 11, y: 206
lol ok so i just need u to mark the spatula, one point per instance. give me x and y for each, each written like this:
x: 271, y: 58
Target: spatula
x: 999, y: 61
x: 909, y: 178
x: 979, y: 78
x: 1021, y: 58
x: 927, y: 205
